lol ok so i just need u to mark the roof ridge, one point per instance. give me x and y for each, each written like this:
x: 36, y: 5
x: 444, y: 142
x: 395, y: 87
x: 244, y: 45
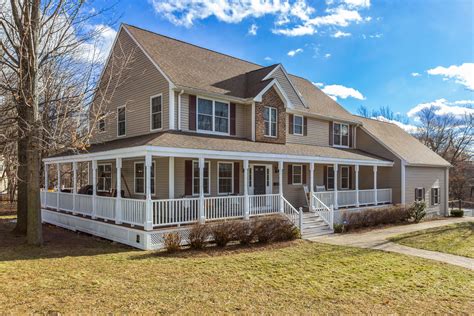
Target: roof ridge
x: 195, y: 45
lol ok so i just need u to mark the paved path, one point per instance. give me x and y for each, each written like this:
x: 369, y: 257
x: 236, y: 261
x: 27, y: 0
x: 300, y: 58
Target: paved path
x: 377, y: 239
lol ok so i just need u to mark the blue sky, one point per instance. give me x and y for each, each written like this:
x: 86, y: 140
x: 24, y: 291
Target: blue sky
x: 401, y: 54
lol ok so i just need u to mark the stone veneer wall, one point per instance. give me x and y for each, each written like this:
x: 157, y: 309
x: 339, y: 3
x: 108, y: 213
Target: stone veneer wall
x: 270, y: 98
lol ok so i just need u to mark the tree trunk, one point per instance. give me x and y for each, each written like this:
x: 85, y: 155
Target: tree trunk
x: 34, y: 227
x: 22, y: 196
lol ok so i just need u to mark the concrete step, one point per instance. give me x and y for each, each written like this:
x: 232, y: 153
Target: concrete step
x: 318, y: 226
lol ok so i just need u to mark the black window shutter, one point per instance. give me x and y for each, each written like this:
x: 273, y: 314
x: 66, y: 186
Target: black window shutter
x: 232, y: 119
x: 305, y: 126
x: 304, y: 174
x: 330, y: 134
x: 290, y: 174
x: 192, y: 112
x: 325, y: 177
x: 290, y: 123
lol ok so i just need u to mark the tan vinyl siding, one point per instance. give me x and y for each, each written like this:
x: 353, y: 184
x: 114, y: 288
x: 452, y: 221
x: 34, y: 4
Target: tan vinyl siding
x: 426, y: 177
x: 318, y: 133
x: 292, y: 94
x: 141, y: 81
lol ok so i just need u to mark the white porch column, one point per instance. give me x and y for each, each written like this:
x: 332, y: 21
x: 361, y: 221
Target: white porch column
x: 446, y: 192
x: 202, y: 213
x: 149, y: 216
x: 375, y: 186
x: 311, y: 183
x: 94, y: 188
x: 171, y: 178
x: 118, y: 189
x: 280, y: 182
x: 246, y: 190
x: 336, y: 178
x: 357, y: 184
x: 59, y: 185
x: 46, y: 177
x: 74, y: 187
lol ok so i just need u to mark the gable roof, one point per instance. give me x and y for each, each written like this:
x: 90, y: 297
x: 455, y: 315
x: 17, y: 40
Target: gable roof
x: 402, y: 143
x: 195, y: 67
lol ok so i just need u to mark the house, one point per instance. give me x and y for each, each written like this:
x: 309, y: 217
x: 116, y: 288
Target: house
x: 200, y: 136
x: 3, y: 180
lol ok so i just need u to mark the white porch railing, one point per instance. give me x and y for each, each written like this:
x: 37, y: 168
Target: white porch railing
x: 295, y: 216
x: 264, y: 204
x: 326, y: 213
x: 83, y: 204
x: 348, y: 198
x: 224, y: 207
x: 105, y: 207
x: 384, y: 196
x: 366, y: 197
x: 133, y: 211
x: 175, y: 211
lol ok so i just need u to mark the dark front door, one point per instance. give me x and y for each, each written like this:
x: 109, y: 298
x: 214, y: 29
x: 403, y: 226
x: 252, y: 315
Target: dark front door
x: 259, y: 180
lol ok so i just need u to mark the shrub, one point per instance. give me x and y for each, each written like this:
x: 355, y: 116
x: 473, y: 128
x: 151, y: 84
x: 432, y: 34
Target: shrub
x: 285, y: 230
x: 263, y: 228
x: 418, y: 211
x: 457, y: 213
x: 223, y: 233
x: 244, y: 232
x: 172, y: 241
x: 338, y: 228
x: 373, y: 217
x: 275, y: 228
x: 198, y: 236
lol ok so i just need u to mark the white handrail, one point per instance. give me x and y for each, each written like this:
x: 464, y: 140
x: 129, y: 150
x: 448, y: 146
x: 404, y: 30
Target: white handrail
x: 290, y: 211
x: 326, y: 213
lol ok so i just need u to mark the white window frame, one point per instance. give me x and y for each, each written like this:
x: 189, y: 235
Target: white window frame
x: 333, y: 178
x: 124, y: 121
x: 98, y: 178
x: 151, y: 112
x: 208, y: 176
x: 348, y: 177
x: 302, y: 125
x: 422, y: 195
x: 153, y: 165
x: 213, y: 131
x: 219, y: 177
x: 100, y: 122
x: 340, y: 135
x: 293, y: 174
x: 437, y: 196
x: 270, y: 108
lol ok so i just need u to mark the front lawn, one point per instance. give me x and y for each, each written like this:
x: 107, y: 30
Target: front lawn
x: 456, y: 239
x: 78, y: 273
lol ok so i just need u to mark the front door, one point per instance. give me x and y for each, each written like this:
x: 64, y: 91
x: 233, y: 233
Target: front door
x: 259, y: 185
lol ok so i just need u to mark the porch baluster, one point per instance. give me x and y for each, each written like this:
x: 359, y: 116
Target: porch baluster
x: 202, y: 212
x: 280, y: 183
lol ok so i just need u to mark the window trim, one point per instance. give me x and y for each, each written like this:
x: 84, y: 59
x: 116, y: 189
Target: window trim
x: 340, y: 135
x: 348, y: 177
x: 302, y: 125
x: 125, y: 120
x: 101, y: 119
x: 422, y: 195
x: 270, y: 122
x: 144, y: 177
x: 293, y: 182
x: 204, y: 131
x: 327, y: 178
x: 208, y: 176
x: 111, y: 175
x: 151, y: 112
x: 219, y: 177
x: 438, y: 196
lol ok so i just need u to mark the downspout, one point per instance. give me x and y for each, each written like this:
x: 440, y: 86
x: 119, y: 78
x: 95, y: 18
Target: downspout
x: 179, y: 109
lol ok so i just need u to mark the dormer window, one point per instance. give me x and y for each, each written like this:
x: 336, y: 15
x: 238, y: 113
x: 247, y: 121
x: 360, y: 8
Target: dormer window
x: 212, y: 116
x: 341, y: 134
x: 270, y: 119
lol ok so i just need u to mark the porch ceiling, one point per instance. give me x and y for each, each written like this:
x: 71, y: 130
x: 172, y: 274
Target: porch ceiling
x: 192, y: 144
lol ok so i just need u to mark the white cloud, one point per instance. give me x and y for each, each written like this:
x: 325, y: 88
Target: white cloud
x: 318, y: 84
x: 268, y: 58
x: 327, y: 55
x: 415, y: 74
x: 98, y: 50
x: 339, y: 91
x: 341, y: 34
x: 298, y: 16
x: 377, y: 35
x: 407, y: 127
x: 292, y: 53
x: 462, y: 74
x: 443, y: 107
x: 253, y: 29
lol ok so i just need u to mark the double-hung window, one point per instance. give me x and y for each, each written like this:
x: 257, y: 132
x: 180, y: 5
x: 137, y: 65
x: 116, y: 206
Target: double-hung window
x: 121, y: 121
x: 104, y: 181
x: 297, y: 125
x: 101, y: 123
x: 140, y: 178
x: 345, y: 177
x: 196, y: 177
x: 434, y: 196
x: 225, y: 177
x: 419, y: 196
x: 156, y: 112
x: 297, y: 173
x: 270, y: 119
x: 213, y: 116
x: 341, y: 134
x: 330, y: 178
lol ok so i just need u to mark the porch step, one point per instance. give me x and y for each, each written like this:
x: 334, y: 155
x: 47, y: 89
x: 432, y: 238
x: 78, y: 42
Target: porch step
x: 314, y: 226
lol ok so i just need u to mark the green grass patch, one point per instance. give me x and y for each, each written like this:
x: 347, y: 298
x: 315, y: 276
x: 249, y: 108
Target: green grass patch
x: 456, y: 239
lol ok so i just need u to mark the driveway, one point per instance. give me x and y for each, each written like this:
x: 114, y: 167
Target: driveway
x: 377, y: 239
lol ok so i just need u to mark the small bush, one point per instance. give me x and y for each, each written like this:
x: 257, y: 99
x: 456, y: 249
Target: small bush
x: 457, y: 213
x: 223, y: 233
x: 198, y: 236
x: 338, y: 228
x: 172, y: 241
x: 285, y: 230
x: 264, y: 228
x: 418, y: 211
x: 373, y: 217
x: 244, y: 232
x: 275, y: 228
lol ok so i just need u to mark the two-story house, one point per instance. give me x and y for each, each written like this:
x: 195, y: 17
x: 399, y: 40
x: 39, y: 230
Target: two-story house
x: 195, y: 136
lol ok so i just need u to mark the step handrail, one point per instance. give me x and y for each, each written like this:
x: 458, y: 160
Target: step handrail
x: 295, y: 216
x: 326, y: 213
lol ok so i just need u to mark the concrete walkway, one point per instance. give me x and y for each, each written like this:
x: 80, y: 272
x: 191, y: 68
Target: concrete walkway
x: 377, y: 239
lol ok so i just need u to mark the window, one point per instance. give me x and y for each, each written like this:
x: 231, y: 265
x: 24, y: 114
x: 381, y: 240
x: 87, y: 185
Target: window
x: 434, y: 196
x: 270, y: 119
x: 330, y: 178
x: 297, y: 174
x: 156, y: 112
x: 213, y: 116
x: 196, y: 177
x: 341, y: 134
x: 140, y: 178
x: 225, y: 177
x: 101, y: 123
x: 104, y: 183
x: 419, y: 196
x: 297, y: 125
x: 121, y: 121
x: 345, y: 177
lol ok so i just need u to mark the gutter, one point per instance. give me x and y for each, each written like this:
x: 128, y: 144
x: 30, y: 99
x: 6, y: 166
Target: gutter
x: 214, y: 95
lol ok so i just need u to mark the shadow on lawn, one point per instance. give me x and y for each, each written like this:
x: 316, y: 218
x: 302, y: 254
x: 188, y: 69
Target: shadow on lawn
x: 58, y: 243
